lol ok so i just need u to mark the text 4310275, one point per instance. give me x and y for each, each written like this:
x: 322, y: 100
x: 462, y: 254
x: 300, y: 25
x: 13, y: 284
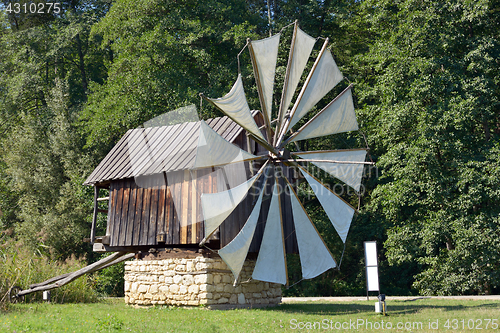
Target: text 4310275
x: 34, y: 8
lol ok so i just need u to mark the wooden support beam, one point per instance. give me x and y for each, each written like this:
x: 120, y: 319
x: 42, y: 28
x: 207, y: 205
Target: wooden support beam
x: 64, y: 279
x: 60, y: 277
x: 94, y: 217
x: 193, y: 202
x: 184, y: 206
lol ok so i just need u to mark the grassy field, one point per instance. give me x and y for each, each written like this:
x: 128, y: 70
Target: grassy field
x: 112, y: 315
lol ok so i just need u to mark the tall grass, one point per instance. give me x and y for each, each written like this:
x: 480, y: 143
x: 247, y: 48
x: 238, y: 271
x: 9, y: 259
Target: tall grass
x: 22, y: 267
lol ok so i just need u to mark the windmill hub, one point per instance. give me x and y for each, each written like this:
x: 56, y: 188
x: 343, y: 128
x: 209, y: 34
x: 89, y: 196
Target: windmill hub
x: 285, y: 154
x: 273, y: 156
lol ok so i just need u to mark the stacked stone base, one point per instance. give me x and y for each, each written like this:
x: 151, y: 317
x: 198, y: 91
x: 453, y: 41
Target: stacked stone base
x: 195, y: 281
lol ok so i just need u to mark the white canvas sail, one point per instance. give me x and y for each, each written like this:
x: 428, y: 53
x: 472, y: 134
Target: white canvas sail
x: 351, y: 174
x: 235, y: 106
x: 271, y: 265
x: 218, y: 206
x: 236, y: 251
x: 339, y: 212
x: 238, y: 174
x: 324, y: 76
x: 297, y: 61
x: 213, y: 150
x: 265, y: 53
x: 337, y: 117
x: 315, y: 258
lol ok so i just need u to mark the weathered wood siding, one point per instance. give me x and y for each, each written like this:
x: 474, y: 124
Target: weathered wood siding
x: 137, y: 214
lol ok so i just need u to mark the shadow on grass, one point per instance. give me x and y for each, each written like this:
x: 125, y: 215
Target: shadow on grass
x: 394, y: 307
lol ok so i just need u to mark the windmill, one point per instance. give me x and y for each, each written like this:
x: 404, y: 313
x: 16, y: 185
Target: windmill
x: 346, y: 165
x: 160, y: 179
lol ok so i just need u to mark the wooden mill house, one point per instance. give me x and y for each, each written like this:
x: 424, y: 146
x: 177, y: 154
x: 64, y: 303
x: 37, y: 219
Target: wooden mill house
x: 155, y: 209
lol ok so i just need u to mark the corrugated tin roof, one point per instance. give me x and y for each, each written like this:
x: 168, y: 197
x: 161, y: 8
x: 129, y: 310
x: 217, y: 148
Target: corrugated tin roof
x: 146, y: 151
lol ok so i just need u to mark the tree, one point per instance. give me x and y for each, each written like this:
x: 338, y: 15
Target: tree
x: 164, y: 53
x: 430, y: 103
x: 44, y: 68
x: 46, y: 170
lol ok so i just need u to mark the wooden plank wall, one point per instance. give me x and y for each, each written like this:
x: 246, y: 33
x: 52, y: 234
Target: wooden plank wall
x: 138, y: 214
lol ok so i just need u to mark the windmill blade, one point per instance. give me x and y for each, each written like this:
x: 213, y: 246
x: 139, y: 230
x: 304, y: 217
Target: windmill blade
x: 218, y: 206
x: 300, y: 50
x: 339, y: 212
x: 315, y: 258
x: 323, y: 77
x: 271, y: 263
x: 235, y: 253
x: 337, y: 117
x: 213, y: 150
x: 264, y: 53
x: 351, y: 174
x: 234, y: 104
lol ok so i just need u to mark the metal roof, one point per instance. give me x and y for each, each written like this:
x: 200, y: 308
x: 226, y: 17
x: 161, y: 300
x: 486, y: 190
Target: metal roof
x: 152, y: 150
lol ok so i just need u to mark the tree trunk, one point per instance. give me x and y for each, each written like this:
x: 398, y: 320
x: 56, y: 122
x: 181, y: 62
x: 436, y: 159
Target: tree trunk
x: 81, y: 62
x: 486, y: 129
x: 449, y: 244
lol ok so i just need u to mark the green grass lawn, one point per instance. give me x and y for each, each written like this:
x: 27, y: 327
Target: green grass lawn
x: 112, y: 315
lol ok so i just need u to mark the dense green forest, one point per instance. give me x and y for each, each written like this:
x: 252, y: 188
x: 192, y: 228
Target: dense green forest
x: 426, y: 80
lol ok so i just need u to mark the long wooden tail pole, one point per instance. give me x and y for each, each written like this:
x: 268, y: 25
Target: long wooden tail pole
x: 69, y: 277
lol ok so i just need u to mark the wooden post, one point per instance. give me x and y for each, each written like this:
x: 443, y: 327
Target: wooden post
x: 184, y: 206
x: 94, y: 218
x: 194, y: 211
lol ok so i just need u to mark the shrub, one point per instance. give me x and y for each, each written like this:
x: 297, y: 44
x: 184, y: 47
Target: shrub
x: 111, y: 280
x: 21, y: 267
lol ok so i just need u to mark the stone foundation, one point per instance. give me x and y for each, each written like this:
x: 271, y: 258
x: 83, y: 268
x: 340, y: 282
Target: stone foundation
x: 195, y: 281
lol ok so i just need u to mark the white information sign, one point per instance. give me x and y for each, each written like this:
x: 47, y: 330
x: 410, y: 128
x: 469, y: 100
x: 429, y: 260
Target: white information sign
x: 371, y: 264
x: 372, y: 278
x: 371, y: 254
